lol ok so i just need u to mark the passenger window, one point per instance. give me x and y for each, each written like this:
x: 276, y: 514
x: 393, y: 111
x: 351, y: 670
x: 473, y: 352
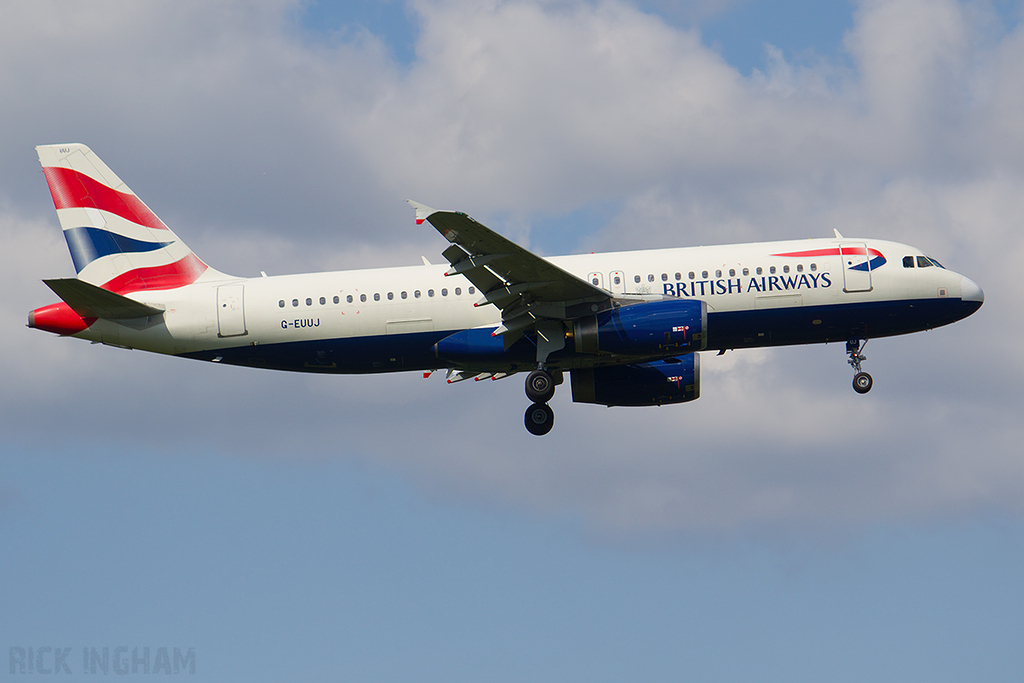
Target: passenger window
x: 281, y: 303
x: 732, y: 272
x: 391, y: 296
x: 349, y: 298
x: 405, y: 295
x: 472, y: 290
x: 718, y: 273
x: 908, y: 261
x: 650, y: 277
x: 618, y: 280
x: 923, y: 262
x: 362, y: 297
x: 376, y: 296
x: 692, y: 275
x: 336, y: 299
x: 309, y: 301
x: 772, y: 270
x: 595, y: 282
x: 785, y: 269
x: 295, y: 302
x: 664, y: 277
x: 799, y: 267
x: 679, y: 276
x: 444, y: 292
x: 814, y: 267
x: 416, y: 294
x: 458, y: 291
x: 323, y: 300
x: 636, y: 278
x: 430, y: 292
x: 746, y: 272
x: 704, y: 274
x: 759, y: 270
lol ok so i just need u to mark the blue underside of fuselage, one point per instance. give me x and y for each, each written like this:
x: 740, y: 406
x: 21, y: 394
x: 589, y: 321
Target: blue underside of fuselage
x: 726, y: 330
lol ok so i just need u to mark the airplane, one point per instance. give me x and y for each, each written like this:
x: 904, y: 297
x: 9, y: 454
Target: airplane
x: 627, y: 326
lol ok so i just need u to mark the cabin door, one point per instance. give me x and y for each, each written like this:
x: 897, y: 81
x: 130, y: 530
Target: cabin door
x: 856, y: 267
x: 230, y: 312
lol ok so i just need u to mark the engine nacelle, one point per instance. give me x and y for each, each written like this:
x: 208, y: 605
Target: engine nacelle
x: 675, y: 326
x: 675, y: 380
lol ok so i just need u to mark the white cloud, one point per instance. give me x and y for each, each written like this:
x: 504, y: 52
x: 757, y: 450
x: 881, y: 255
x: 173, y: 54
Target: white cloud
x: 912, y: 59
x: 264, y: 152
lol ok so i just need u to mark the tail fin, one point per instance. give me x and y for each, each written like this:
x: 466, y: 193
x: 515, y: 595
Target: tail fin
x: 116, y: 242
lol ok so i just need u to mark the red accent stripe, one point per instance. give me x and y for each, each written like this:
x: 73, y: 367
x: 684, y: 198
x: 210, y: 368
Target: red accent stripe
x: 74, y: 190
x: 832, y: 252
x: 811, y: 253
x: 177, y: 274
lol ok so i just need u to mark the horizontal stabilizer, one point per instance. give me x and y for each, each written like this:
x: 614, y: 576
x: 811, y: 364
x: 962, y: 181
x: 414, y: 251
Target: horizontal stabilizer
x: 90, y: 301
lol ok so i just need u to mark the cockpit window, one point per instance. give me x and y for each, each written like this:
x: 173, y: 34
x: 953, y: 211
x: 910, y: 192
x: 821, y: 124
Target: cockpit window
x: 936, y: 263
x: 923, y: 262
x: 908, y: 261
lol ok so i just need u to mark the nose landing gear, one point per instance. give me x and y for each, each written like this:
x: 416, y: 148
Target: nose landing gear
x: 862, y: 381
x: 540, y: 387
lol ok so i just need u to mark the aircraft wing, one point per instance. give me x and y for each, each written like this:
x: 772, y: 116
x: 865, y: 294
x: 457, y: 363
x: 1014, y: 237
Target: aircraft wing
x: 525, y: 287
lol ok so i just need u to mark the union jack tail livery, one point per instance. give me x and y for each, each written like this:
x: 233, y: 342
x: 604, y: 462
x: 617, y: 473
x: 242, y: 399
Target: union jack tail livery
x: 116, y: 242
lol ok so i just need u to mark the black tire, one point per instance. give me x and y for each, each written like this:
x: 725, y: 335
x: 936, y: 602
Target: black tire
x: 540, y: 386
x: 539, y: 419
x: 862, y: 382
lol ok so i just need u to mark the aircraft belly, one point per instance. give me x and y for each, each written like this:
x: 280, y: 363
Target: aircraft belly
x: 831, y: 323
x: 348, y: 355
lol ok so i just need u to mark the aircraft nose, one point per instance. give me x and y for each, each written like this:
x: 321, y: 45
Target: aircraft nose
x: 970, y: 291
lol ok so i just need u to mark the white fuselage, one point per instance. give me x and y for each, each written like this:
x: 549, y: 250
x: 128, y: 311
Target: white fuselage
x: 388, y: 303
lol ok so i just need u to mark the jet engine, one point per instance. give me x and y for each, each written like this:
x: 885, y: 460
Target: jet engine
x: 647, y: 328
x: 674, y: 380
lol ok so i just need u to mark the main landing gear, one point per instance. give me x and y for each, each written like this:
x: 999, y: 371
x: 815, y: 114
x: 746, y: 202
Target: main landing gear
x: 540, y: 384
x: 861, y: 381
x: 540, y: 387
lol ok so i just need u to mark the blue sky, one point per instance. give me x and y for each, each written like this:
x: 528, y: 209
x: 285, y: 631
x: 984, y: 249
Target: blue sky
x: 394, y: 528
x: 738, y: 29
x: 324, y: 570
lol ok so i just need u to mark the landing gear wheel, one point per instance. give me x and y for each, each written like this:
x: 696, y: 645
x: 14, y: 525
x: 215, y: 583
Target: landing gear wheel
x: 862, y: 382
x: 539, y: 419
x: 540, y: 386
